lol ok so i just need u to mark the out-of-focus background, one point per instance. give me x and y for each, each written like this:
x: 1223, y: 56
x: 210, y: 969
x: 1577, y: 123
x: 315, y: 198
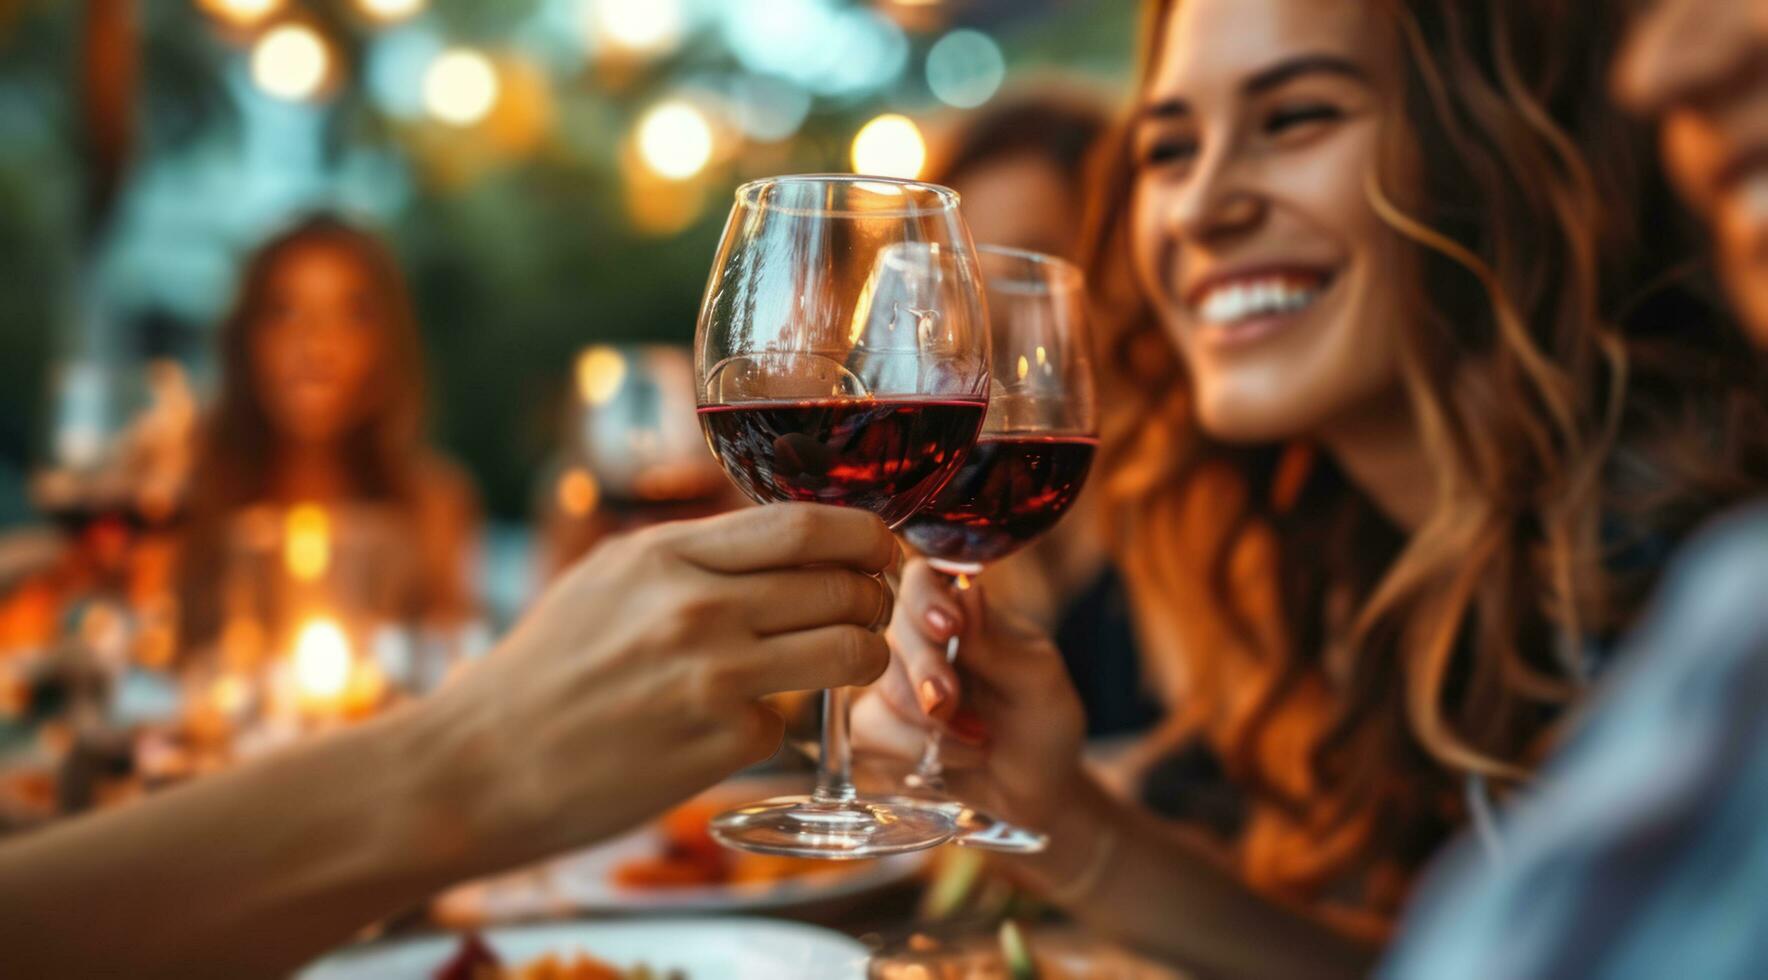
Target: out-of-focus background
x: 243, y: 242
x: 551, y: 173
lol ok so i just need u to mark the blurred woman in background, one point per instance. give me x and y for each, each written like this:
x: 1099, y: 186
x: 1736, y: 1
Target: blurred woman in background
x: 1033, y: 148
x: 321, y: 402
x: 1399, y: 444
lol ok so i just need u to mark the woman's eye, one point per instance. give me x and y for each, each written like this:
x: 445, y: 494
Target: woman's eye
x: 1172, y: 150
x: 1284, y: 120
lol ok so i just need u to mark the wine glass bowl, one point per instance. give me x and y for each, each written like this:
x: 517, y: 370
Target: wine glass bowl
x: 842, y: 351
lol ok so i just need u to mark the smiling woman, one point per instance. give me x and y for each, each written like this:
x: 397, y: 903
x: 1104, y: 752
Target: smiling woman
x: 1377, y: 386
x: 1251, y: 224
x: 1386, y: 463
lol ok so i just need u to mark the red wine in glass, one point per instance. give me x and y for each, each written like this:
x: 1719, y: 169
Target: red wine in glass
x: 886, y: 455
x: 1009, y: 490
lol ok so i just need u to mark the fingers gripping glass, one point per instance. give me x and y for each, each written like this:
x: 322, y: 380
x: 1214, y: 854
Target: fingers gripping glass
x: 842, y: 356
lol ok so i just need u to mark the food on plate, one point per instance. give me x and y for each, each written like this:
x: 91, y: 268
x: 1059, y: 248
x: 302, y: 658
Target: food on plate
x: 690, y: 857
x: 1010, y: 955
x: 476, y: 961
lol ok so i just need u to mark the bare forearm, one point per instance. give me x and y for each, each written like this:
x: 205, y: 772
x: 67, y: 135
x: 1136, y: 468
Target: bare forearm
x: 247, y: 873
x: 1152, y: 886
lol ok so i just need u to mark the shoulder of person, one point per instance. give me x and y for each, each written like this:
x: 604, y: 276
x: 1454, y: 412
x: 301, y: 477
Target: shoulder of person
x: 1708, y: 621
x: 1720, y: 571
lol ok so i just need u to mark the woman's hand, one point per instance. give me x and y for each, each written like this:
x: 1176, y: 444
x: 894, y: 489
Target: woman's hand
x: 635, y: 682
x: 1014, y: 725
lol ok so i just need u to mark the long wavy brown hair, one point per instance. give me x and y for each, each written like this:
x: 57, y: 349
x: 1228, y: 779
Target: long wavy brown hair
x: 240, y: 443
x: 1347, y: 673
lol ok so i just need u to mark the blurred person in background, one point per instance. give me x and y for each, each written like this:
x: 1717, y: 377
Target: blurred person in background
x: 1642, y: 852
x: 1399, y: 447
x: 1034, y: 148
x: 1018, y: 152
x: 321, y: 402
x: 632, y: 684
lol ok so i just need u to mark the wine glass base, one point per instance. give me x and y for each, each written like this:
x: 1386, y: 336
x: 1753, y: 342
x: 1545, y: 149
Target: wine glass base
x: 985, y: 833
x: 975, y: 828
x: 801, y: 826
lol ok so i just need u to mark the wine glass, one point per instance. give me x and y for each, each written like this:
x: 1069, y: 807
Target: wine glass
x: 842, y: 357
x: 1025, y: 471
x: 632, y: 454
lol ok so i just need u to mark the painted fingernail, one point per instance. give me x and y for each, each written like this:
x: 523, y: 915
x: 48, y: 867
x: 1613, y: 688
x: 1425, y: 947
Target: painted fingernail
x: 943, y: 623
x: 968, y: 728
x: 933, y: 693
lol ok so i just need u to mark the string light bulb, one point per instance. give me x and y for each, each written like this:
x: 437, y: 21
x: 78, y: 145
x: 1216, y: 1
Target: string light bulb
x: 889, y: 145
x: 641, y: 26
x: 460, y: 86
x: 241, y: 13
x: 388, y: 11
x: 675, y: 140
x: 291, y: 62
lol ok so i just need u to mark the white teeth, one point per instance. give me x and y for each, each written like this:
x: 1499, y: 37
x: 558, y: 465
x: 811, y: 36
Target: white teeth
x: 1249, y: 298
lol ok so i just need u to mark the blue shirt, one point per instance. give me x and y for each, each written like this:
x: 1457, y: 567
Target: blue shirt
x: 1643, y: 851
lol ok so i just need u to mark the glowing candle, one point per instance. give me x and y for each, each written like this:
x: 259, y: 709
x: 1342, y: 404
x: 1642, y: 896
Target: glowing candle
x: 322, y: 665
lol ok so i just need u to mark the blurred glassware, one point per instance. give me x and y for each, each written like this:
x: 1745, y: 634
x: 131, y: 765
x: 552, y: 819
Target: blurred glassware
x: 633, y: 452
x: 111, y: 475
x: 117, y: 454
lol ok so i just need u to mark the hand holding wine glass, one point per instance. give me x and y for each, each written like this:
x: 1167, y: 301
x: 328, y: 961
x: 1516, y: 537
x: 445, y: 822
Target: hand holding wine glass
x: 637, y: 678
x: 1014, y: 724
x: 843, y: 358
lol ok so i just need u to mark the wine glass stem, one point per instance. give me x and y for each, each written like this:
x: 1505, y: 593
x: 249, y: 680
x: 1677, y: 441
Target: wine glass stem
x: 930, y: 773
x: 834, y: 771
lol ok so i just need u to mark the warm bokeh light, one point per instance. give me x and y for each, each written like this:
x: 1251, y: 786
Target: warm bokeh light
x: 242, y: 642
x: 291, y: 62
x: 965, y: 69
x: 390, y: 10
x: 675, y: 140
x: 460, y: 86
x: 322, y: 660
x: 241, y: 13
x: 646, y: 26
x: 230, y: 693
x: 600, y: 370
x: 578, y: 492
x: 889, y: 146
x: 306, y: 542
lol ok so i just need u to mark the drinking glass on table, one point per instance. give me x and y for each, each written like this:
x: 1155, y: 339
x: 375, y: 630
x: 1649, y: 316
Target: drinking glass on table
x: 1026, y: 470
x: 842, y: 357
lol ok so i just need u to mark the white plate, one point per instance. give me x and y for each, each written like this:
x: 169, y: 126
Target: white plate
x: 703, y: 949
x: 583, y: 882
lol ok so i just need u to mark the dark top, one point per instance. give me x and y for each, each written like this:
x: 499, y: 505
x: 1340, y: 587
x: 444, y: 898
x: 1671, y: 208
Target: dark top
x: 1098, y: 644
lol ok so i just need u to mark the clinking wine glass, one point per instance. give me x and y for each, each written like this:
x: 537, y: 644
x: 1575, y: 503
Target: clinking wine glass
x: 842, y: 355
x: 1024, y: 473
